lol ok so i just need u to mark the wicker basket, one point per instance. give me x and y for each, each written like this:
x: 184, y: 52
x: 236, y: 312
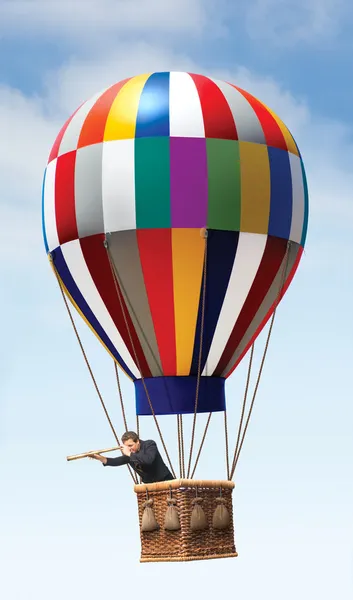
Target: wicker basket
x: 186, y: 544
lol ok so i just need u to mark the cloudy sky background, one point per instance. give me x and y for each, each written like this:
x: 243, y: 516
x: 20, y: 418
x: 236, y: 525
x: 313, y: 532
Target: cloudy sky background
x: 70, y: 529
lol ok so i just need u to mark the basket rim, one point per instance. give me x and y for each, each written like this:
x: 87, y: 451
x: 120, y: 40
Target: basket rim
x: 183, y: 483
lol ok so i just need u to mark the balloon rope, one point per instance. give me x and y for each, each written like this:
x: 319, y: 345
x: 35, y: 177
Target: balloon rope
x: 120, y: 396
x: 117, y: 288
x: 61, y: 286
x: 226, y: 443
x: 201, y: 445
x: 283, y: 278
x: 243, y: 407
x: 200, y: 352
x: 182, y: 446
x: 179, y: 447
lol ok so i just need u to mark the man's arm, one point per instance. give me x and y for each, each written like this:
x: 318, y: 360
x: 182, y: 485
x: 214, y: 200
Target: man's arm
x: 117, y: 461
x: 112, y: 462
x: 145, y: 456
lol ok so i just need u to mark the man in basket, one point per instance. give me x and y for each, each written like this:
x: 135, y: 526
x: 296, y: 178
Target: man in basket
x: 142, y: 456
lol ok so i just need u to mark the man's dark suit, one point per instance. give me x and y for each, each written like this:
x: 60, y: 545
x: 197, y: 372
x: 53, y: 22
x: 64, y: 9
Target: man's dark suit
x: 147, y: 463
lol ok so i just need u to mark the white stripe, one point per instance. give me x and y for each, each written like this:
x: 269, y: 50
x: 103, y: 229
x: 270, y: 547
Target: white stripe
x: 298, y: 199
x: 78, y: 268
x: 185, y: 113
x: 265, y: 306
x: 250, y: 250
x: 72, y: 133
x: 49, y: 207
x: 248, y: 126
x: 118, y: 185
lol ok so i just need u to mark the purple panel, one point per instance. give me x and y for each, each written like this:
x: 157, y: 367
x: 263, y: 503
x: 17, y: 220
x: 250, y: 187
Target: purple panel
x: 188, y: 182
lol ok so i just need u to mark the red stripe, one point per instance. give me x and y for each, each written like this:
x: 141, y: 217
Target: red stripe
x: 155, y: 246
x: 273, y: 134
x: 65, y: 212
x: 217, y: 116
x: 55, y: 149
x: 92, y: 131
x: 271, y: 261
x: 99, y: 267
x: 270, y: 312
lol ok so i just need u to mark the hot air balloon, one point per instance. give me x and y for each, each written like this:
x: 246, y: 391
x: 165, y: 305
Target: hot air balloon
x: 175, y: 212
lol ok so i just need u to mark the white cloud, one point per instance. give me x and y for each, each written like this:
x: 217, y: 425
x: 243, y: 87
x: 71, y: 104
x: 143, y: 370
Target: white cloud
x: 88, y: 19
x: 288, y: 22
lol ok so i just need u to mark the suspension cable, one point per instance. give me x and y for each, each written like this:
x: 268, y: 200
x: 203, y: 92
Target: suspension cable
x: 61, y: 286
x: 243, y: 407
x: 283, y: 278
x: 117, y: 288
x: 201, y: 445
x: 200, y: 352
x: 120, y: 396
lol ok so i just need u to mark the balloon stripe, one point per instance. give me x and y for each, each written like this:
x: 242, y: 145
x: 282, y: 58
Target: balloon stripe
x: 50, y: 225
x: 92, y: 131
x: 298, y: 207
x: 68, y: 262
x: 306, y: 206
x: 246, y: 121
x: 65, y: 211
x: 255, y: 187
x: 185, y: 113
x: 153, y: 111
x: 266, y: 309
x: 281, y: 193
x: 43, y: 219
x: 124, y: 251
x: 248, y: 257
x: 97, y: 262
x: 118, y: 185
x: 71, y: 136
x: 121, y: 121
x: 290, y: 141
x: 88, y: 190
x: 224, y: 192
x: 155, y: 247
x: 188, y: 182
x: 271, y: 261
x: 55, y: 149
x: 221, y: 251
x: 188, y: 253
x: 152, y: 183
x: 217, y: 116
x: 273, y: 134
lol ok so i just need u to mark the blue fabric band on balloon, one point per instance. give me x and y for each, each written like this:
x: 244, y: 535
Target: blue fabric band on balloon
x: 176, y: 395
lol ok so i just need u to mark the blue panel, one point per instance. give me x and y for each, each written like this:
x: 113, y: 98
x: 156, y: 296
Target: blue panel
x: 221, y: 251
x: 43, y: 221
x: 306, y: 207
x: 176, y: 395
x: 76, y: 295
x: 153, y: 111
x: 281, y: 193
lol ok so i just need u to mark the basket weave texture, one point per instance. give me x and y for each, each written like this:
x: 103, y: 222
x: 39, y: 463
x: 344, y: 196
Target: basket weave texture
x: 186, y: 545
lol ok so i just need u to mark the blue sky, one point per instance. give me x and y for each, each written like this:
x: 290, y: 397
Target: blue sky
x: 70, y: 529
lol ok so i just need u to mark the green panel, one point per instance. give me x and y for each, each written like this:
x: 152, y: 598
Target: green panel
x: 224, y: 194
x: 152, y: 182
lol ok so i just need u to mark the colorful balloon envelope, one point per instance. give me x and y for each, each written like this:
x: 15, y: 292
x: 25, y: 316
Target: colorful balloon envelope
x: 175, y: 205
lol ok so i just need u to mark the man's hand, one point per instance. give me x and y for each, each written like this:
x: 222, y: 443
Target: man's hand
x: 102, y: 459
x: 125, y: 450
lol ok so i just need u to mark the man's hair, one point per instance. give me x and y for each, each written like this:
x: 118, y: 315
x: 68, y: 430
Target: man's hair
x: 130, y: 435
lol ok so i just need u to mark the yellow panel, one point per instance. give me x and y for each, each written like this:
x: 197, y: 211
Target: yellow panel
x: 255, y: 187
x: 188, y: 253
x: 121, y: 122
